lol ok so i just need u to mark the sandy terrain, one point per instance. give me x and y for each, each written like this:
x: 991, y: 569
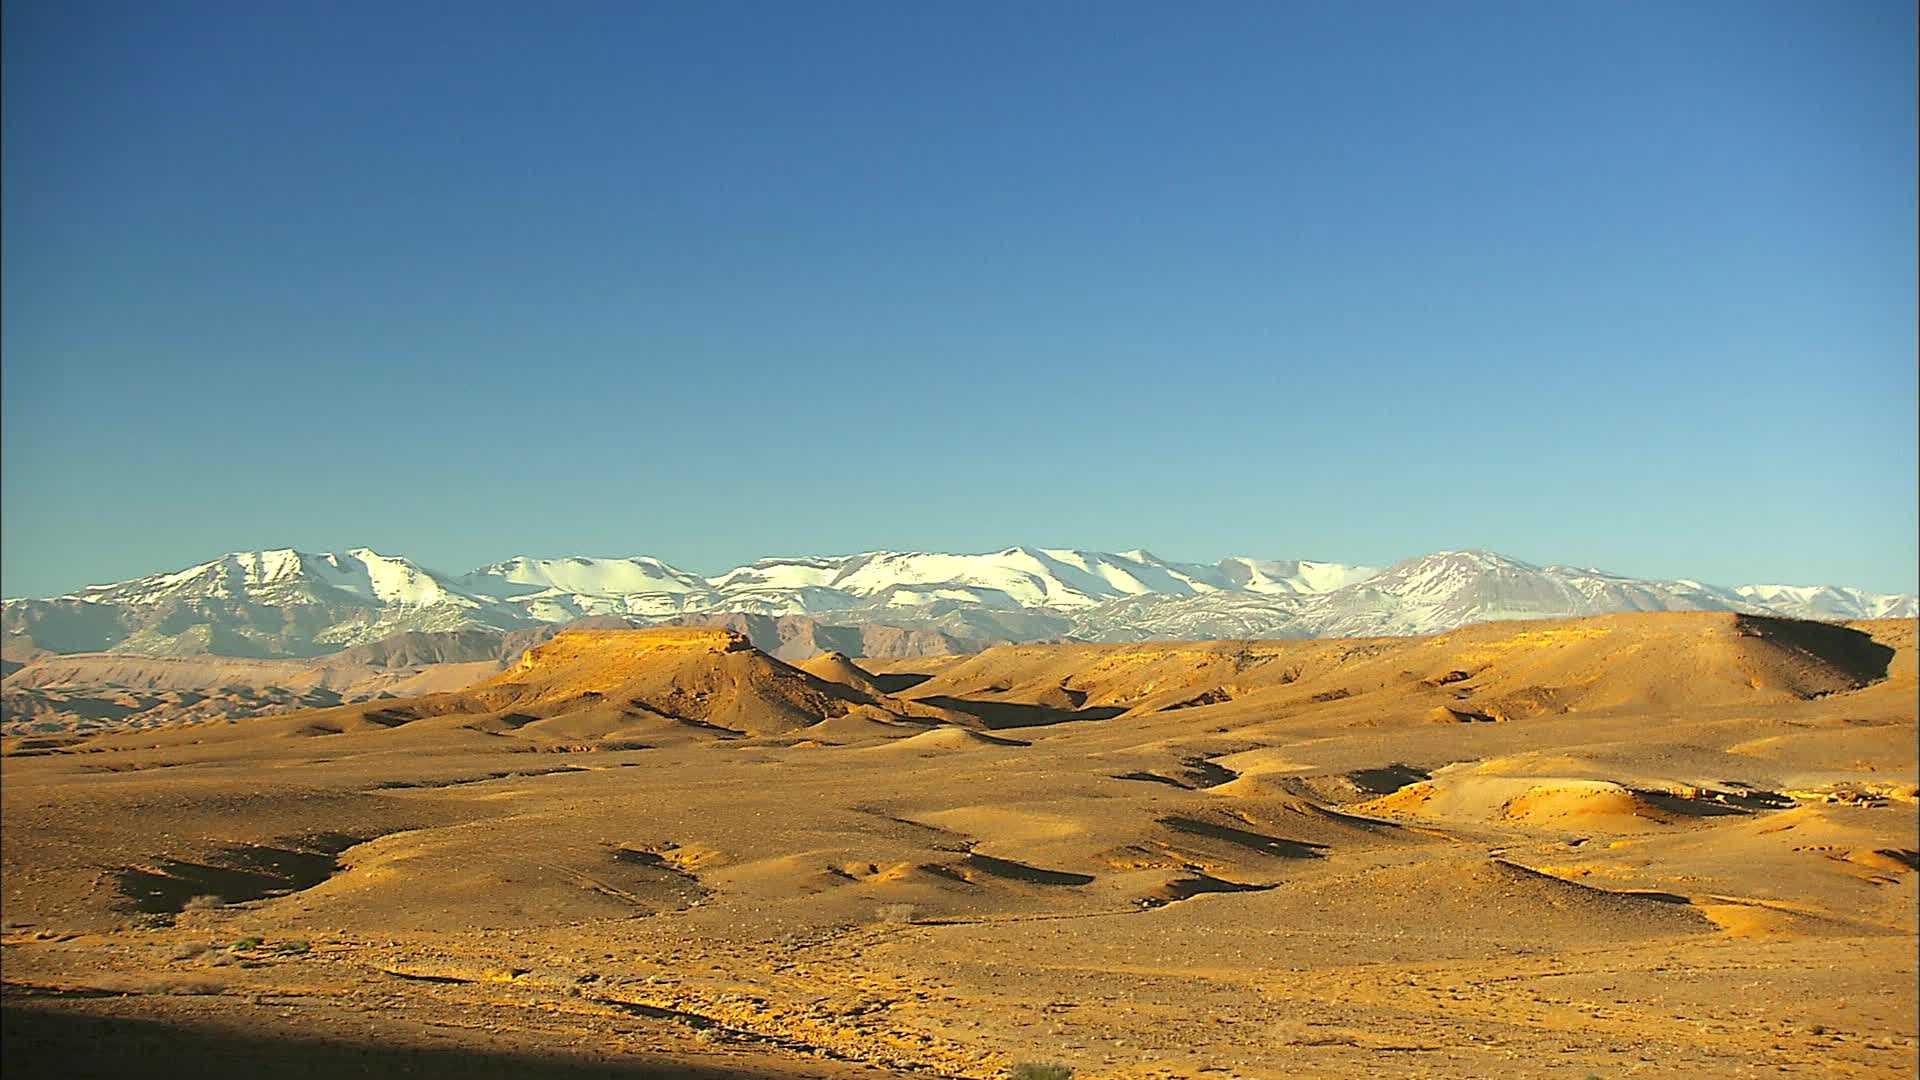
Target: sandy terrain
x: 1676, y: 845
x: 48, y: 693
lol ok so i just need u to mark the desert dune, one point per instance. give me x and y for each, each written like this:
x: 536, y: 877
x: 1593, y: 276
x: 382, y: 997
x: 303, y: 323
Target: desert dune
x: 1670, y: 844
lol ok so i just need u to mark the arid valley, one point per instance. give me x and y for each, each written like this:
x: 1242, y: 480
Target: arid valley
x: 1658, y: 845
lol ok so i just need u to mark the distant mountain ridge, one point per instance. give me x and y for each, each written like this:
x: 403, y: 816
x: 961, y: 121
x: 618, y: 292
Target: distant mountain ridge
x: 286, y: 603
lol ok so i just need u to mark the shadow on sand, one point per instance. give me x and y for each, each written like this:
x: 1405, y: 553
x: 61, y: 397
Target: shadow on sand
x: 39, y: 1041
x: 894, y: 684
x: 1002, y: 715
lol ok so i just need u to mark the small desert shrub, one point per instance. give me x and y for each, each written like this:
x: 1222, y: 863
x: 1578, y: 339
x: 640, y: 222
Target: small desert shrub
x: 247, y: 943
x: 1040, y: 1070
x: 896, y: 913
x: 293, y: 948
x: 204, y: 903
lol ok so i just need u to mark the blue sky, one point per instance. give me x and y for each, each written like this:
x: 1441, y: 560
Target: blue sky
x: 1627, y: 285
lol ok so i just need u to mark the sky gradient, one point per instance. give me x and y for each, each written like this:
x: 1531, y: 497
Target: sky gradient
x: 1625, y: 285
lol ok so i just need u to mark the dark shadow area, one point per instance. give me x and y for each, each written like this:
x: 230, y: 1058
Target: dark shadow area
x: 1000, y: 715
x: 1755, y: 799
x: 1187, y: 888
x: 1261, y: 842
x: 43, y: 744
x: 1654, y: 895
x: 1387, y: 779
x: 504, y: 774
x: 655, y: 860
x: 1854, y: 652
x: 1202, y: 773
x: 1212, y: 697
x: 247, y: 872
x: 893, y: 684
x: 90, y: 708
x: 48, y: 1042
x: 440, y: 980
x: 1152, y: 778
x: 1910, y: 859
x: 1674, y: 804
x: 1715, y: 803
x: 389, y: 718
x: 1000, y: 740
x: 1034, y: 875
x: 721, y: 1032
x: 943, y: 871
x: 1063, y: 698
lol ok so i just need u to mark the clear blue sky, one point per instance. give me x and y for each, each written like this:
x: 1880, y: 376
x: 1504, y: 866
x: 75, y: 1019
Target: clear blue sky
x: 1621, y: 284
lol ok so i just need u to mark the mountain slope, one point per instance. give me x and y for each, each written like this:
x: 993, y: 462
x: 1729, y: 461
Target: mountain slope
x: 1207, y: 617
x: 1448, y: 589
x: 1425, y: 595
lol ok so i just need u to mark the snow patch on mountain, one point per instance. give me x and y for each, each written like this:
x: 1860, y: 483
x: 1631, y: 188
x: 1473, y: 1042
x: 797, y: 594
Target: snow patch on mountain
x: 521, y: 575
x: 1292, y: 576
x: 1832, y: 602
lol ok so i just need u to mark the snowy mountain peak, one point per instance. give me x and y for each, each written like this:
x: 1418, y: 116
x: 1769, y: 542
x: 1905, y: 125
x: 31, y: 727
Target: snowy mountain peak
x: 313, y: 603
x: 1478, y: 558
x: 240, y: 573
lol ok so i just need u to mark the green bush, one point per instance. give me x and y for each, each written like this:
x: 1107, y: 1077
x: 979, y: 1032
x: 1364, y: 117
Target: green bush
x: 1040, y: 1070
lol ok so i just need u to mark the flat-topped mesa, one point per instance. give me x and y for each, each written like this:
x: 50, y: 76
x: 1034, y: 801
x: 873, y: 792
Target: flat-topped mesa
x: 612, y: 647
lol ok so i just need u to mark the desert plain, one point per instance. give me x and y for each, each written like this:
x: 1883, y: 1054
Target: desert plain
x: 1652, y: 845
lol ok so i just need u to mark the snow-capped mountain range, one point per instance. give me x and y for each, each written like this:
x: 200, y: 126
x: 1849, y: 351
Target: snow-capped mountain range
x: 291, y: 603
